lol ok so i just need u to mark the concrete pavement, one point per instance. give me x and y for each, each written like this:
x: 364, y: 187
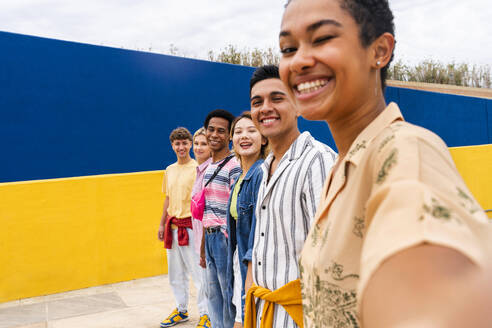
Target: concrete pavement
x: 140, y: 303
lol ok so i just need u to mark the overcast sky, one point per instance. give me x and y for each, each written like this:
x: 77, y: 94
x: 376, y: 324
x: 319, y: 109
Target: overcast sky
x: 447, y: 30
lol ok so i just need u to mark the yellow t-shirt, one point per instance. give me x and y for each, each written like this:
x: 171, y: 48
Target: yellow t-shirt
x: 235, y: 194
x: 177, y: 185
x: 397, y: 187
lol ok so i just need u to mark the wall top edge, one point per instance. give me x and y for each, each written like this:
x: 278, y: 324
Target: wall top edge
x: 443, y: 88
x: 478, y: 147
x: 96, y: 176
x: 65, y: 41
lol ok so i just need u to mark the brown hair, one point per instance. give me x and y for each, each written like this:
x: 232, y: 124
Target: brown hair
x: 247, y: 114
x: 180, y: 134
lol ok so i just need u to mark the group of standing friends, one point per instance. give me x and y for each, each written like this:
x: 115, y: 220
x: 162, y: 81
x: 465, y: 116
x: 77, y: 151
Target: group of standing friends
x: 293, y: 234
x: 275, y: 174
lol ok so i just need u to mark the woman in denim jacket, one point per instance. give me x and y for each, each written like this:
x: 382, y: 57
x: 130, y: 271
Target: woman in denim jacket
x: 250, y: 147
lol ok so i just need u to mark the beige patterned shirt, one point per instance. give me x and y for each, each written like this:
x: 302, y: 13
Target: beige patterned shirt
x: 397, y: 187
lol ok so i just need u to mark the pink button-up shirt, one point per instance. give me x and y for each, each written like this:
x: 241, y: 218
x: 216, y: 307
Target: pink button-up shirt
x: 197, y: 186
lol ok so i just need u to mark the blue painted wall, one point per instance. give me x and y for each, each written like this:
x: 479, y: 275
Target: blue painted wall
x: 70, y: 109
x: 459, y: 120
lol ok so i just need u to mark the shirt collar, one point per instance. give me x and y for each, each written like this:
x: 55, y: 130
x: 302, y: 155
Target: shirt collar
x: 252, y: 169
x: 390, y: 114
x: 200, y: 168
x: 297, y: 148
x: 294, y: 152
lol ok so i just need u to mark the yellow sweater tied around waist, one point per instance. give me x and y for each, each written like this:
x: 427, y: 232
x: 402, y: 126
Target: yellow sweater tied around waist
x: 289, y: 296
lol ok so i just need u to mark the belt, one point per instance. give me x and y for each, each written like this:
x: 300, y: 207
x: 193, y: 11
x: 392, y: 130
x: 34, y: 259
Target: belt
x: 213, y: 229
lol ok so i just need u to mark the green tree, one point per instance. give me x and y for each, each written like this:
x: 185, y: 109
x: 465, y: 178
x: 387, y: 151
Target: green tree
x: 247, y: 57
x: 427, y: 70
x: 432, y: 71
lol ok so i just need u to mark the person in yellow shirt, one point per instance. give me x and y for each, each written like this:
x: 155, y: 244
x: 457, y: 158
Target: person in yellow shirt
x: 176, y: 230
x: 397, y: 235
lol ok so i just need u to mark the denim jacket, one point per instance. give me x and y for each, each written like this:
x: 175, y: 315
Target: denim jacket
x: 242, y: 231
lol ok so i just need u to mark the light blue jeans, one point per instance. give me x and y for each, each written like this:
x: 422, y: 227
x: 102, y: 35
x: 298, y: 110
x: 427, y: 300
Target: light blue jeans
x: 218, y: 306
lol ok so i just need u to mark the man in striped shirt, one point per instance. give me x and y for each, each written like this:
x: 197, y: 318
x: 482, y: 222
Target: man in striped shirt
x: 293, y: 177
x: 221, y: 173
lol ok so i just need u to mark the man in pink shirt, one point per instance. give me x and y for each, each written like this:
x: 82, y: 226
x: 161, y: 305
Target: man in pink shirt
x: 221, y: 172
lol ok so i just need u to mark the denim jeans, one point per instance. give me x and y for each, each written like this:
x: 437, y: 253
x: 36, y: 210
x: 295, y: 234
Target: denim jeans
x: 216, y: 253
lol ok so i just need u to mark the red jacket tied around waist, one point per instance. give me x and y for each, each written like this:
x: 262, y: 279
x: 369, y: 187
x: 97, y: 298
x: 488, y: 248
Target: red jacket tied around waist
x: 183, y: 237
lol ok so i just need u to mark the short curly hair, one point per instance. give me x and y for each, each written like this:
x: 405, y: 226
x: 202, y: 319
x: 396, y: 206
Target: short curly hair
x: 180, y: 134
x: 374, y: 17
x: 221, y: 113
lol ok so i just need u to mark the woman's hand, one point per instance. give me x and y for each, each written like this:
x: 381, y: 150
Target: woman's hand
x: 203, y: 261
x: 249, y: 278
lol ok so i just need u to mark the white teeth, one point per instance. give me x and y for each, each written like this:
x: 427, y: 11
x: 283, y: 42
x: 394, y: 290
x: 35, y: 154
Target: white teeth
x: 307, y: 87
x: 270, y: 120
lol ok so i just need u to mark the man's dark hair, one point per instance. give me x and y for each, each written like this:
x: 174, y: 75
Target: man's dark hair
x: 373, y: 17
x: 222, y: 113
x: 263, y: 73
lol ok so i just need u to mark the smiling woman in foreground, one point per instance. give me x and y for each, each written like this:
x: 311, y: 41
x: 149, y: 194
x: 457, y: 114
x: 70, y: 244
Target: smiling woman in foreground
x: 397, y: 233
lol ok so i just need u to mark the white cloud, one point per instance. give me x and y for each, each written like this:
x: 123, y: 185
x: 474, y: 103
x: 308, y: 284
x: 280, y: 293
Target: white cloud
x: 444, y: 29
x: 440, y: 29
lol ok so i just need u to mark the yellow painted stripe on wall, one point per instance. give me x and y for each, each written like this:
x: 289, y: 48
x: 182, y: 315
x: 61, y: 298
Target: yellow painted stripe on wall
x: 475, y: 165
x: 64, y: 234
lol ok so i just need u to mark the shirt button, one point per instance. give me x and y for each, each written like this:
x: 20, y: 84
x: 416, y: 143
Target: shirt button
x: 262, y: 234
x: 259, y: 263
x: 263, y: 207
